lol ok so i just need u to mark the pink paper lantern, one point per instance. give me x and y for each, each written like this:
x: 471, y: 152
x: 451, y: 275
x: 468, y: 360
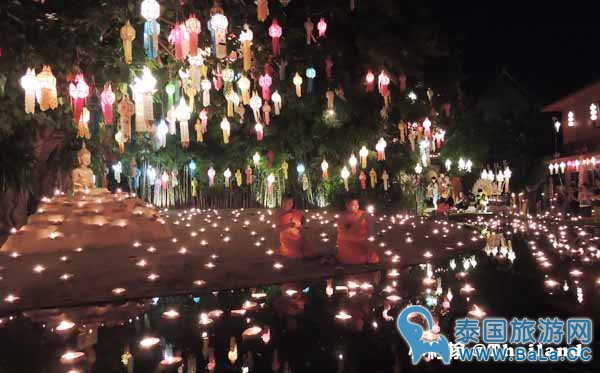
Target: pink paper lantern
x: 275, y: 32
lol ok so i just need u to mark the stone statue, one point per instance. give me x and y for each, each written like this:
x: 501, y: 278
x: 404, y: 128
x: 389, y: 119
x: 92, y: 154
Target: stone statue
x: 83, y: 177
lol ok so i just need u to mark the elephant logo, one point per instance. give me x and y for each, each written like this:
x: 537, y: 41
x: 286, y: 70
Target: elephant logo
x: 413, y: 335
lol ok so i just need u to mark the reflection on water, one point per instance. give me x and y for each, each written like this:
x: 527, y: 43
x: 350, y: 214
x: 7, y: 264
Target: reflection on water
x: 330, y: 325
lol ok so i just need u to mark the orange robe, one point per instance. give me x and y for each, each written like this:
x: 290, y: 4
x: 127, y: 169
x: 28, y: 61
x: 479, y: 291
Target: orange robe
x: 292, y: 242
x: 352, y: 242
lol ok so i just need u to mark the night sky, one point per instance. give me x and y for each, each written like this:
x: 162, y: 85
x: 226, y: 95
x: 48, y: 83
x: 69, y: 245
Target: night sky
x: 551, y: 51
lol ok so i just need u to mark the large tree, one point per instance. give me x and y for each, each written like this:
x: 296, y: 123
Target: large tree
x: 401, y: 38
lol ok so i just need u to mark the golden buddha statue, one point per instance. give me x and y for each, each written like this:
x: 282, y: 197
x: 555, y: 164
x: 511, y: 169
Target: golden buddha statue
x: 83, y: 177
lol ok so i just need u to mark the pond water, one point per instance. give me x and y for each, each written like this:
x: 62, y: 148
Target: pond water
x: 329, y: 325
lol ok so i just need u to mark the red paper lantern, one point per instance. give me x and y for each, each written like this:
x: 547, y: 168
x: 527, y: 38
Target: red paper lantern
x: 79, y: 91
x: 194, y: 27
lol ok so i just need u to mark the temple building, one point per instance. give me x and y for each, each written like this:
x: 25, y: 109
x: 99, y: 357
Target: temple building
x: 576, y: 123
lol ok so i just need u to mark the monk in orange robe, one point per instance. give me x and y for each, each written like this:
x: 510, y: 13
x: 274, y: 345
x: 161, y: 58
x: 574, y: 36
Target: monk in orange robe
x: 291, y: 223
x: 353, y: 233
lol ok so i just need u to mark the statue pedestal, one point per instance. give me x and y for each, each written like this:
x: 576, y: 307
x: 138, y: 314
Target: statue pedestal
x: 89, y: 220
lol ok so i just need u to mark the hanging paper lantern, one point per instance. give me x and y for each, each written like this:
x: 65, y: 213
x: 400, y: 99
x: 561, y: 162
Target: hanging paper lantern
x: 262, y: 10
x: 161, y: 134
x: 195, y: 71
x: 284, y: 169
x: 30, y: 85
x: 205, y: 85
x: 46, y: 93
x: 265, y: 82
x: 270, y: 181
x: 226, y: 128
x: 83, y: 131
x: 177, y: 38
x: 120, y: 139
x: 126, y: 110
x: 256, y: 159
x: 228, y: 76
x: 227, y: 175
x: 275, y: 32
x: 259, y: 131
x: 330, y: 95
x: 276, y: 97
x: 218, y: 28
x: 79, y: 91
x: 170, y: 91
x: 353, y: 162
x: 385, y: 177
x: 300, y: 169
x: 183, y: 114
x: 430, y: 94
x: 324, y: 168
x: 427, y: 127
x: 345, y: 174
x: 151, y: 12
x: 363, y: 154
x: 128, y: 35
x: 266, y: 109
x: 298, y: 83
x: 380, y: 147
x: 373, y: 178
x: 107, y: 99
x: 244, y: 86
x: 384, y: 82
x: 143, y: 92
x: 246, y: 37
x: 217, y: 77
x: 311, y: 73
x: 255, y: 104
x: 322, y: 27
x: 370, y: 79
x: 194, y: 27
x: 211, y: 176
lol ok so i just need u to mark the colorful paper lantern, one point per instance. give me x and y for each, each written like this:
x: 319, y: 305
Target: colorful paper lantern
x: 298, y: 83
x: 151, y: 11
x: 380, y: 147
x: 275, y: 32
x: 363, y: 154
x: 79, y: 91
x: 324, y: 168
x: 262, y: 10
x: 218, y: 27
x: 255, y: 105
x: 246, y: 37
x: 194, y: 27
x: 30, y: 85
x: 311, y: 73
x: 265, y: 82
x: 183, y: 115
x: 128, y: 36
x: 259, y: 131
x: 322, y: 27
x: 46, y: 93
x: 370, y: 81
x: 226, y: 128
x: 179, y: 38
x: 107, y: 101
x: 276, y: 97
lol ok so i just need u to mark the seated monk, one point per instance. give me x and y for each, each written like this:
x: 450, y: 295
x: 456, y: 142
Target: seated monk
x: 353, y: 233
x: 291, y: 223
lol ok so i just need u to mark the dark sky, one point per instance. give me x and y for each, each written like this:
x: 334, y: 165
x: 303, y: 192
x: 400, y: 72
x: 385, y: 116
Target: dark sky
x: 551, y: 50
